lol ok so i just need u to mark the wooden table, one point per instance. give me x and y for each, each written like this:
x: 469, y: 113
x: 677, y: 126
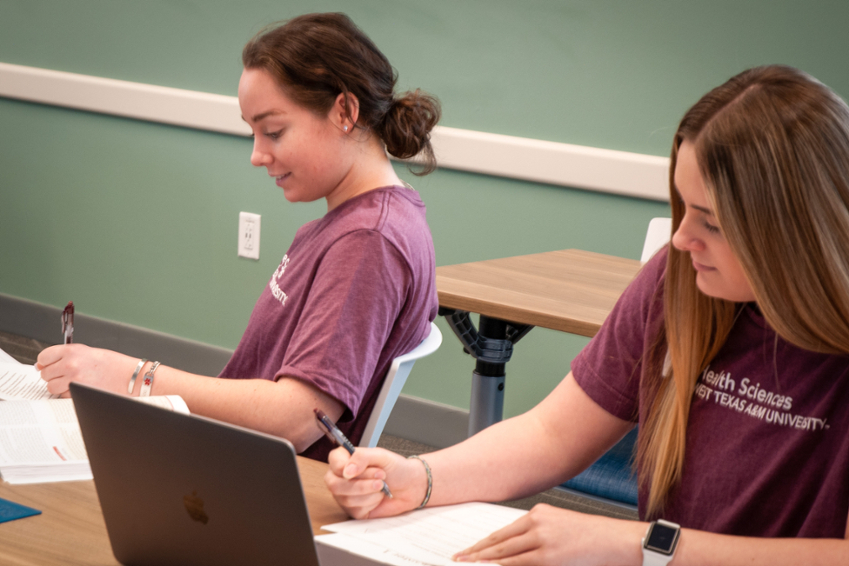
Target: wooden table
x: 569, y: 290
x: 70, y: 529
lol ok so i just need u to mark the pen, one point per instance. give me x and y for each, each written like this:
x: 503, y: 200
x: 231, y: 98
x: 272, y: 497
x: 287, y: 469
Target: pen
x: 333, y: 433
x: 68, y: 322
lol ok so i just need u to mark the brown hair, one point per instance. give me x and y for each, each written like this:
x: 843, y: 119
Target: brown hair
x: 772, y: 146
x: 315, y: 57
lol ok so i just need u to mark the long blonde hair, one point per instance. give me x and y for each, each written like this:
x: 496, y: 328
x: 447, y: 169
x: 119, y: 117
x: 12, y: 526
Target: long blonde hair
x: 772, y: 145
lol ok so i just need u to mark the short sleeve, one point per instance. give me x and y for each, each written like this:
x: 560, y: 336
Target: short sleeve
x: 358, y: 290
x: 609, y: 368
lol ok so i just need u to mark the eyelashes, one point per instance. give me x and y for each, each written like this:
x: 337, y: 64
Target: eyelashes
x: 711, y: 228
x: 270, y: 135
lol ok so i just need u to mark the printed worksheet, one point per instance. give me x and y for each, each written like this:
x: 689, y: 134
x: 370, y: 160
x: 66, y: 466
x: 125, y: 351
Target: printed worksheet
x: 428, y: 537
x: 22, y: 382
x: 5, y: 357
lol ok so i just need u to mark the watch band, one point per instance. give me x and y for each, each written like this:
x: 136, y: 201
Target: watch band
x: 660, y: 543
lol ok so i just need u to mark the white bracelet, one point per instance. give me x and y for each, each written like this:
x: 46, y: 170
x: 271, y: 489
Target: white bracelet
x: 135, y: 375
x: 148, y: 381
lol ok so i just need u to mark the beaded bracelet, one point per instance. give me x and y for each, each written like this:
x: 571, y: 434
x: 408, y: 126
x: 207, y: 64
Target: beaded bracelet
x: 135, y: 375
x: 148, y: 381
x: 429, y: 479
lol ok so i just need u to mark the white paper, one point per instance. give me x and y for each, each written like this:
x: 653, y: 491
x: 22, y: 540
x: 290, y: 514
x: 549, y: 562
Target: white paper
x: 41, y: 441
x: 171, y: 402
x: 20, y: 381
x: 6, y: 358
x: 425, y: 537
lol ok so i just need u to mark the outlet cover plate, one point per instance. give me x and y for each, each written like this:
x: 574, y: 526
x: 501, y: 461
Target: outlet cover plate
x: 249, y: 225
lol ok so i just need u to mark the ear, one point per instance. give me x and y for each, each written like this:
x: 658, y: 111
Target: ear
x: 345, y: 111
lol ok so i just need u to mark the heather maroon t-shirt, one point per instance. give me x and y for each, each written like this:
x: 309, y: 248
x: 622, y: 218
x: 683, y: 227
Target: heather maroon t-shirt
x: 768, y: 436
x: 355, y: 290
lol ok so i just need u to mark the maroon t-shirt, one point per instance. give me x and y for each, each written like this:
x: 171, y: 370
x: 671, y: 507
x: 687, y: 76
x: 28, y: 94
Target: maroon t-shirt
x: 768, y: 436
x: 355, y: 290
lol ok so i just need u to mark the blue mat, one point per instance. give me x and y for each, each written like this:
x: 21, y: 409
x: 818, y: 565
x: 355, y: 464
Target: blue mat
x: 611, y: 476
x: 10, y: 511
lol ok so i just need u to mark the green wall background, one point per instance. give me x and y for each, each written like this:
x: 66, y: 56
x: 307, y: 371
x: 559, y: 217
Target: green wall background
x: 136, y: 222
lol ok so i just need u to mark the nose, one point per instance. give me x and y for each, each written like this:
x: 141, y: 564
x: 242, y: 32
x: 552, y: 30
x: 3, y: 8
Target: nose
x: 259, y: 156
x: 685, y: 237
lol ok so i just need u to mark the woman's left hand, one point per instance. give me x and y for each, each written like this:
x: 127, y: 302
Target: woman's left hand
x: 548, y: 535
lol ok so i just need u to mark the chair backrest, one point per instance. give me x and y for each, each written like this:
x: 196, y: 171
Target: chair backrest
x: 657, y: 236
x: 394, y: 382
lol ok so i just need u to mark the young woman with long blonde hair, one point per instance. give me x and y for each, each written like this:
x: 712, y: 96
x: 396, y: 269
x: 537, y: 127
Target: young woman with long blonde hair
x: 730, y: 350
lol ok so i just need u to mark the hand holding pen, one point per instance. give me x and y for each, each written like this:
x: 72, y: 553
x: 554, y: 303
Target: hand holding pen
x: 333, y: 433
x: 68, y: 322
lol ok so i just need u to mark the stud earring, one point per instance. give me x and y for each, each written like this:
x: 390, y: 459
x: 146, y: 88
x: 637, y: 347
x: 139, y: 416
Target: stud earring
x: 344, y: 128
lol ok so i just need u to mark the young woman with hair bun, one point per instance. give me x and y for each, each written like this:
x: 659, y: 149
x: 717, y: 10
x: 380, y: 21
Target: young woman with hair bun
x: 356, y: 287
x: 730, y: 350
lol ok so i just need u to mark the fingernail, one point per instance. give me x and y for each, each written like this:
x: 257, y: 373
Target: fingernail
x: 350, y: 471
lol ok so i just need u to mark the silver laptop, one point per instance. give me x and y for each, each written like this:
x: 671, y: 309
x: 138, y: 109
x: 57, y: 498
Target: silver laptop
x: 183, y: 489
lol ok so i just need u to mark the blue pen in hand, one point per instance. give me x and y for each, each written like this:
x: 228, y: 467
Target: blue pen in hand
x: 333, y: 433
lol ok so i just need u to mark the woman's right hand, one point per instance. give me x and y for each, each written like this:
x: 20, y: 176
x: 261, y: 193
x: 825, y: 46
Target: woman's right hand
x: 104, y: 369
x: 356, y: 481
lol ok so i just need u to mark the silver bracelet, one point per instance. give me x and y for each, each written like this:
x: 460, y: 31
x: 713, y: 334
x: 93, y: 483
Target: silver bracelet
x: 135, y: 375
x: 429, y: 479
x: 148, y: 381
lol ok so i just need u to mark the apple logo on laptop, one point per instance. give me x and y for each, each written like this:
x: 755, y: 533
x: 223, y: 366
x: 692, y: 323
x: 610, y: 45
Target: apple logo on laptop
x: 194, y: 505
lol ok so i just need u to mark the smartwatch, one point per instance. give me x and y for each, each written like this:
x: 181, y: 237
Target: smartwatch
x: 660, y: 542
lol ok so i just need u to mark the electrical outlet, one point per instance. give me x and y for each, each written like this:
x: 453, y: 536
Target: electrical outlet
x: 249, y: 235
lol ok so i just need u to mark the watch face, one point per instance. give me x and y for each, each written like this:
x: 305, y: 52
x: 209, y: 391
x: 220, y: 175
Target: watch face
x: 662, y: 538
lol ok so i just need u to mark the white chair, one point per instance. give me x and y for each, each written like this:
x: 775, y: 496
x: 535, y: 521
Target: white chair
x: 395, y: 379
x: 658, y: 234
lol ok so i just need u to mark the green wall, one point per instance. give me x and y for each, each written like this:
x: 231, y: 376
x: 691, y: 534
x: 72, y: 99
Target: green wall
x: 136, y: 222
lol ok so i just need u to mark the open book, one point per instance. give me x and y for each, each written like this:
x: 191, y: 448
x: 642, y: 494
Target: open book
x: 40, y: 439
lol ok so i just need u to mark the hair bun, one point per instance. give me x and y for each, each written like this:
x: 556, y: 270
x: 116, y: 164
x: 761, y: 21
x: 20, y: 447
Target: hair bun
x: 406, y: 128
x: 315, y: 57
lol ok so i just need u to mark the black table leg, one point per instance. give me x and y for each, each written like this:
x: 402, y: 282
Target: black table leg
x: 492, y: 347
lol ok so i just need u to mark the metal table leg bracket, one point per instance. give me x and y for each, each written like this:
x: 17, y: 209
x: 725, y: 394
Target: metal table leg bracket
x: 492, y: 348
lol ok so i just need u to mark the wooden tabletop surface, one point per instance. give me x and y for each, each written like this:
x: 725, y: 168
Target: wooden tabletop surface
x: 70, y: 529
x: 568, y: 290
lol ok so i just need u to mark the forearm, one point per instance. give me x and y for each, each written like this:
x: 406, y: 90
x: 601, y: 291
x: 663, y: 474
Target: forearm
x: 548, y: 535
x: 554, y: 441
x: 283, y: 408
x: 702, y: 548
x: 496, y: 464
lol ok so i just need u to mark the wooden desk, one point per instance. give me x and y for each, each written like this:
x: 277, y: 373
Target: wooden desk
x: 70, y: 529
x: 569, y: 290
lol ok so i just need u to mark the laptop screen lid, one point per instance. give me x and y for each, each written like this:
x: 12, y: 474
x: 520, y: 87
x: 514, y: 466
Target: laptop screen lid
x: 184, y: 489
